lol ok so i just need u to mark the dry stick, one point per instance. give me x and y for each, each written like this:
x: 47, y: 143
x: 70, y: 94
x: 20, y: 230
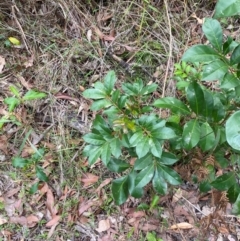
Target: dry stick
x: 20, y: 28
x: 170, y: 49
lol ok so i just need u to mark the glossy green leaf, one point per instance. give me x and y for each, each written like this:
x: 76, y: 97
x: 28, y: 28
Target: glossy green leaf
x: 164, y: 133
x: 34, y: 188
x: 213, y: 31
x: 106, y: 153
x: 93, y: 153
x: 227, y: 8
x: 41, y: 175
x: 168, y: 158
x: 134, y: 191
x: 235, y: 57
x: 155, y: 147
x: 208, y: 105
x: 207, y: 138
x: 214, y: 70
x: 143, y: 147
x: 169, y: 175
x: 14, y: 90
x: 100, y: 104
x: 120, y: 190
x: 159, y: 184
x: 233, y: 193
x: 224, y: 182
x: 175, y: 105
x: 195, y: 97
x: 200, y: 53
x: 94, y: 139
x: 204, y: 186
x: 117, y: 165
x: 191, y: 134
x: 109, y: 81
x: 12, y: 102
x: 136, y: 138
x: 229, y: 45
x: 20, y: 162
x: 229, y: 81
x: 233, y: 130
x: 33, y: 95
x: 149, y: 89
x: 116, y: 146
x: 144, y: 176
x: 236, y: 206
x: 94, y: 94
x: 143, y: 162
x: 218, y: 112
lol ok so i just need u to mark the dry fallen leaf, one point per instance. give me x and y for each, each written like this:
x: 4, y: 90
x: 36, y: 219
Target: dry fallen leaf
x: 89, y: 179
x: 3, y: 220
x: 2, y: 63
x: 54, y: 221
x: 183, y: 225
x: 103, y: 225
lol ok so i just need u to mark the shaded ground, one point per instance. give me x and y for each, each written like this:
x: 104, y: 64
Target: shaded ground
x: 65, y: 47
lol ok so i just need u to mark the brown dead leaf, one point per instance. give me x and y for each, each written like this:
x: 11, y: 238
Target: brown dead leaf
x: 89, y: 179
x: 148, y: 227
x: 4, y: 144
x: 103, y: 225
x: 84, y: 206
x: 3, y: 220
x: 54, y: 221
x: 200, y: 21
x: 50, y: 203
x: 2, y: 63
x: 24, y: 82
x: 106, y: 237
x: 29, y: 62
x: 19, y: 220
x: 223, y: 230
x: 32, y: 220
x: 103, y: 184
x: 183, y: 225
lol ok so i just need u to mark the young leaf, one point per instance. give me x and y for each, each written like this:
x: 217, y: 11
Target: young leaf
x: 14, y: 41
x: 33, y: 95
x: 20, y: 162
x: 169, y: 175
x: 41, y: 174
x: 191, y: 134
x: 214, y: 71
x: 195, y: 97
x: 175, y: 105
x: 145, y: 176
x: 235, y: 57
x: 207, y: 138
x: 136, y: 138
x: 12, y: 102
x: 227, y: 8
x: 225, y: 181
x: 233, y: 130
x: 200, y: 53
x: 213, y: 31
x: 159, y: 184
x: 120, y: 190
x: 14, y: 90
x: 109, y: 81
x: 117, y: 165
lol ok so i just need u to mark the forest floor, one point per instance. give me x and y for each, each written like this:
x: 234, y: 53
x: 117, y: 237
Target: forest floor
x: 65, y: 46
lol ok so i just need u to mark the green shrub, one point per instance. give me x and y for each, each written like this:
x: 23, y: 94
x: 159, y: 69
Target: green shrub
x: 130, y: 138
